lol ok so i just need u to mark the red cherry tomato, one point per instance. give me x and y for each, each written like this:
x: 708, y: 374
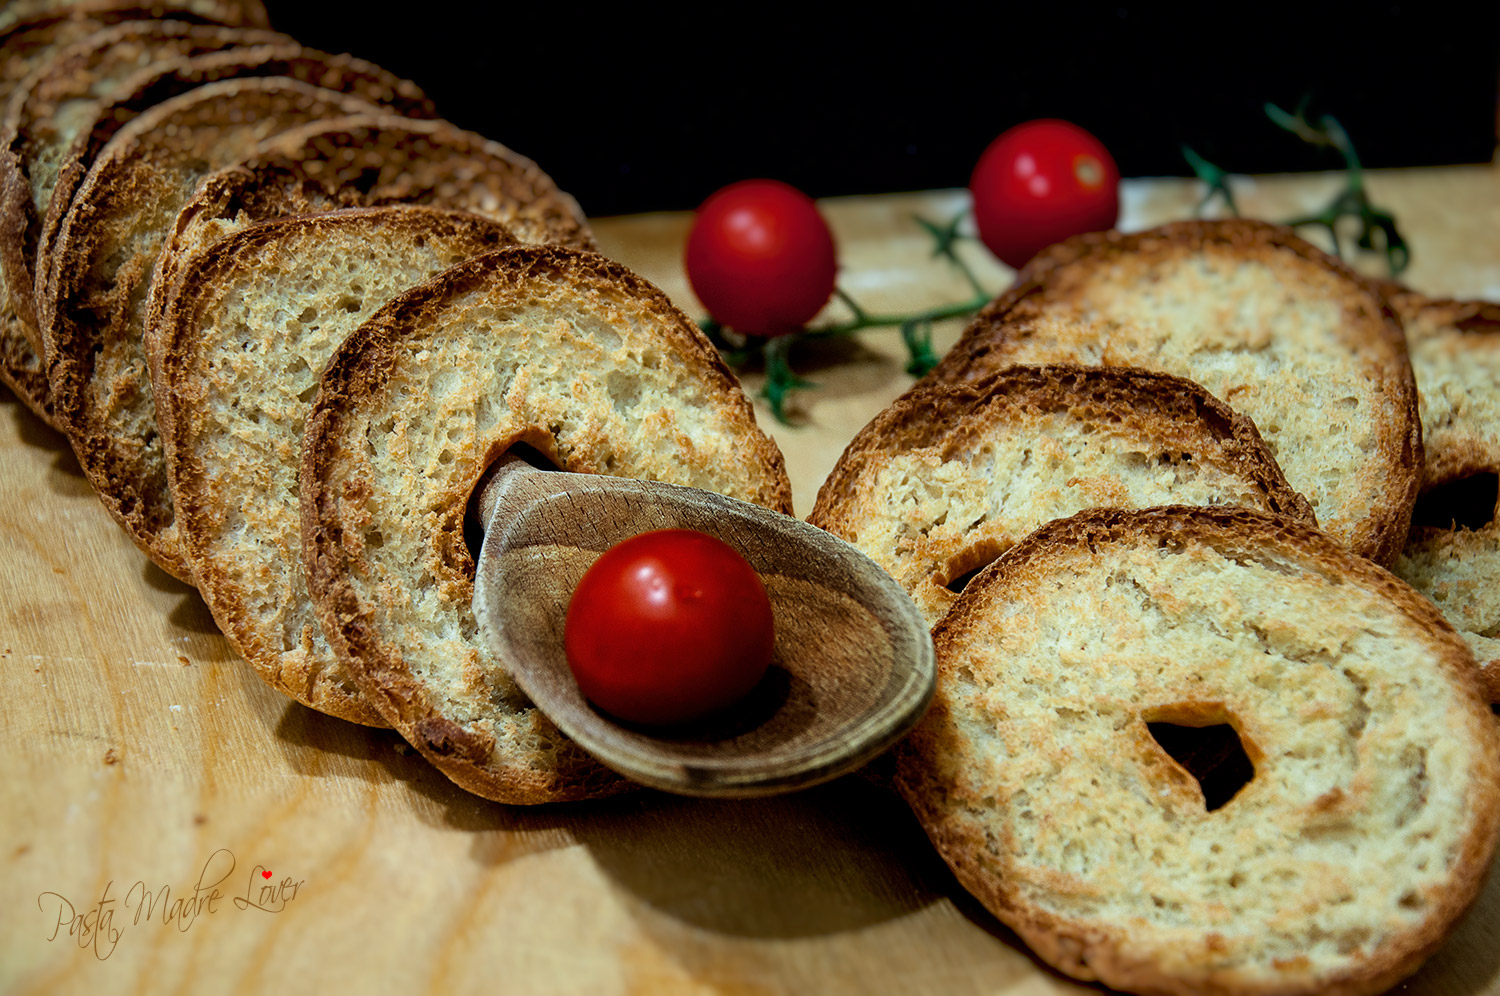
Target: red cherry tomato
x: 668, y: 626
x: 761, y: 258
x: 1039, y: 183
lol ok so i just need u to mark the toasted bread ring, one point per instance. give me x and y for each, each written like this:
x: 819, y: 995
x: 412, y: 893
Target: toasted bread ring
x: 1273, y: 327
x: 558, y: 348
x: 1373, y: 811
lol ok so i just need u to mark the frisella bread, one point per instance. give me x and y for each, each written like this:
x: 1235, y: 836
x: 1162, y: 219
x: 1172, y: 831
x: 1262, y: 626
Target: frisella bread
x: 1371, y: 810
x: 946, y: 480
x: 1453, y: 552
x: 1267, y: 323
x: 235, y: 374
x: 562, y: 350
x: 92, y: 304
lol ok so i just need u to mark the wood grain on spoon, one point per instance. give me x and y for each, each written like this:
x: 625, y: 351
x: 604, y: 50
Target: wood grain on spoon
x: 853, y: 665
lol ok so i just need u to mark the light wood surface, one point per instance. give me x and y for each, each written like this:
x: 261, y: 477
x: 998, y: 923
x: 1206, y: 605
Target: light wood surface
x: 141, y: 750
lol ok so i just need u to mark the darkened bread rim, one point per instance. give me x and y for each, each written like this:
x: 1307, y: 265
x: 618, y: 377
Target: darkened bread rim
x: 65, y: 76
x: 352, y: 152
x: 356, y: 373
x: 1087, y: 951
x: 160, y: 84
x: 1380, y: 336
x: 174, y: 359
x: 366, y: 161
x: 1465, y: 314
x: 1423, y: 318
x: 84, y: 318
x: 941, y: 413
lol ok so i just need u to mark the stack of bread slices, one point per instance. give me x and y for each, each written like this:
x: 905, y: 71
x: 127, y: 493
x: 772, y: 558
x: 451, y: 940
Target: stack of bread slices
x: 201, y: 216
x: 1190, y: 734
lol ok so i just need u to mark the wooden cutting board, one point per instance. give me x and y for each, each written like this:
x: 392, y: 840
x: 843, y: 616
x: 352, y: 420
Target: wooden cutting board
x: 144, y: 756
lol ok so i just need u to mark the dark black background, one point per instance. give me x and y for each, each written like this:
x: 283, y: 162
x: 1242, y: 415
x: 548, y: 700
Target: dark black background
x: 633, y: 110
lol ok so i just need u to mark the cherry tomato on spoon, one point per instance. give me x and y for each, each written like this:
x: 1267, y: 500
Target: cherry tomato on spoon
x: 761, y: 258
x: 667, y: 627
x: 1039, y: 183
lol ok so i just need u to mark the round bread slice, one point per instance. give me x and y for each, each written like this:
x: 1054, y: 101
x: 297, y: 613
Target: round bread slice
x: 261, y: 314
x: 562, y: 350
x: 52, y: 105
x: 93, y: 310
x: 1269, y: 324
x: 362, y: 162
x: 1455, y: 353
x: 1373, y: 808
x: 944, y: 481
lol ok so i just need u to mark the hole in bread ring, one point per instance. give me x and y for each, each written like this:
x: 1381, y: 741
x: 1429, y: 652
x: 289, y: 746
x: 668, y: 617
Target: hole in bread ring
x: 1467, y: 502
x: 534, y: 445
x: 1203, y: 740
x: 964, y: 566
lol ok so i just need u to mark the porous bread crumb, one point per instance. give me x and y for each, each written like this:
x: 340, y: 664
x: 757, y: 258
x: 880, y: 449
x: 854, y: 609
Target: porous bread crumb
x: 1033, y: 445
x: 255, y: 323
x: 94, y: 308
x: 1362, y: 835
x: 365, y: 161
x: 1264, y: 322
x: 1459, y: 570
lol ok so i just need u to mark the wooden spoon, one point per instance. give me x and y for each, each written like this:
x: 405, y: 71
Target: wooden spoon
x: 852, y: 669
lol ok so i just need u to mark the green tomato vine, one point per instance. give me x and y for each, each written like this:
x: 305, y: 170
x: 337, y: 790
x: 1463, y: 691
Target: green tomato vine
x: 1377, y: 227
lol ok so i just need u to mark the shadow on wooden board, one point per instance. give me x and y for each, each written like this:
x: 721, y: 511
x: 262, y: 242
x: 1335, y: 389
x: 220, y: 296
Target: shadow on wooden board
x: 65, y: 477
x: 831, y: 859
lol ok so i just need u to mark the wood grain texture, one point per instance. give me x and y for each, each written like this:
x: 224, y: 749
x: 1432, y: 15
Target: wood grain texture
x: 139, y: 746
x: 853, y: 666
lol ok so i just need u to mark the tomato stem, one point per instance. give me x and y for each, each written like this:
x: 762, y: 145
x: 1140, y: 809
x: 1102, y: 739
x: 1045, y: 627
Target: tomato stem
x: 1377, y: 227
x: 1216, y: 179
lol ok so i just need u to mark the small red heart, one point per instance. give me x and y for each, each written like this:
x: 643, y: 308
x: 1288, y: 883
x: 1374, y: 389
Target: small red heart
x: 265, y: 874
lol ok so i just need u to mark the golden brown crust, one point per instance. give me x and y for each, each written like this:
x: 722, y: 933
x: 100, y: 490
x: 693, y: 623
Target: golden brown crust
x: 339, y: 562
x: 33, y: 136
x: 1120, y: 436
x: 929, y: 416
x: 101, y: 260
x: 366, y: 161
x: 185, y: 356
x: 1380, y: 487
x: 1093, y: 947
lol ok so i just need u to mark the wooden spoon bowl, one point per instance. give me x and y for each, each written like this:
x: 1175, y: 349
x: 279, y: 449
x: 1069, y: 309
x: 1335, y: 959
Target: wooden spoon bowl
x: 852, y: 669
